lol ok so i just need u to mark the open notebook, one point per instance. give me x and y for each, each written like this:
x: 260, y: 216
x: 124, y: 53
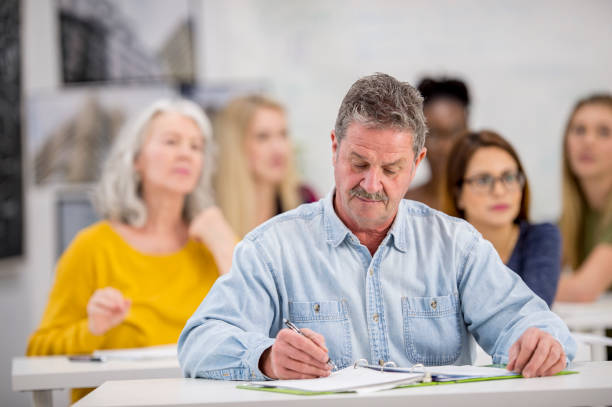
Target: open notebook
x: 362, y: 377
x: 347, y: 379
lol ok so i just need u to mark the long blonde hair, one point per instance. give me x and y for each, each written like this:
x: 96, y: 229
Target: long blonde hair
x: 234, y: 184
x: 574, y: 204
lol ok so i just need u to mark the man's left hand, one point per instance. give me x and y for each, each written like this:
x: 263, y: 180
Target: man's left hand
x: 536, y: 353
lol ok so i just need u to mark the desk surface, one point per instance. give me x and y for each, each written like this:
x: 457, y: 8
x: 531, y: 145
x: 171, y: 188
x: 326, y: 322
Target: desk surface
x: 57, y: 372
x: 592, y: 386
x: 586, y: 316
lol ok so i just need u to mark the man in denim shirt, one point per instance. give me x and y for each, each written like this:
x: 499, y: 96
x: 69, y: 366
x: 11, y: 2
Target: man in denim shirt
x: 368, y: 275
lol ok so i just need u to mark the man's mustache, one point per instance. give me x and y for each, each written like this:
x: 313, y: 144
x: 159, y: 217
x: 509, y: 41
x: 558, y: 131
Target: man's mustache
x: 361, y: 193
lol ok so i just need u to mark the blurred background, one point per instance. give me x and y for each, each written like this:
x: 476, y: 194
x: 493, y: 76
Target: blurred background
x: 74, y: 70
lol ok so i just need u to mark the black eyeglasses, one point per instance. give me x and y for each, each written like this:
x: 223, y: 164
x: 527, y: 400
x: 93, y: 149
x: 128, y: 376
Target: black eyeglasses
x: 485, y: 183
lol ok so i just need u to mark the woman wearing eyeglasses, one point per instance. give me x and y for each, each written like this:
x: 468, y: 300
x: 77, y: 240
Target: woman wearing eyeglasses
x: 486, y: 185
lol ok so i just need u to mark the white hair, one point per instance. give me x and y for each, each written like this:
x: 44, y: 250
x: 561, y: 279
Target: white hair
x: 118, y: 195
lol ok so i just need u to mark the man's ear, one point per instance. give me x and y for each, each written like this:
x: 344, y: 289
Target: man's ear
x: 420, y: 157
x: 334, y: 141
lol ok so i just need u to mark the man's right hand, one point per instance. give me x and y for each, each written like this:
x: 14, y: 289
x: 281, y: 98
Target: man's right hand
x: 106, y: 309
x: 293, y: 356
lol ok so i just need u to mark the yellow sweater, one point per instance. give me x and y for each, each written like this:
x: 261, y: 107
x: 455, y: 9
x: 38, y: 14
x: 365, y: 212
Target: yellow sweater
x: 165, y: 291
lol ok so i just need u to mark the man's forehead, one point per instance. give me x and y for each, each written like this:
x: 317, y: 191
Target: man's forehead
x: 384, y: 144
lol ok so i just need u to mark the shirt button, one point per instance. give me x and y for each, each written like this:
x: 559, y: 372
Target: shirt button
x: 434, y: 304
x: 381, y: 362
x: 317, y: 307
x: 371, y: 271
x: 375, y: 317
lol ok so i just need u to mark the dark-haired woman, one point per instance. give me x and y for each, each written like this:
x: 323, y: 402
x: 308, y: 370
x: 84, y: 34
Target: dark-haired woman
x: 486, y: 185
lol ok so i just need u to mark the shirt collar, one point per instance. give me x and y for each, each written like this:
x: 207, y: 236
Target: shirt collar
x: 337, y: 231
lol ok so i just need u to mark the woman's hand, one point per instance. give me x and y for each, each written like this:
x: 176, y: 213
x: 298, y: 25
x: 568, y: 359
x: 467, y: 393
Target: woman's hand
x: 211, y: 228
x: 106, y: 309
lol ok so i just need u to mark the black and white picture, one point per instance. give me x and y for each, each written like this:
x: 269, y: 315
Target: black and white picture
x: 126, y: 40
x: 11, y: 193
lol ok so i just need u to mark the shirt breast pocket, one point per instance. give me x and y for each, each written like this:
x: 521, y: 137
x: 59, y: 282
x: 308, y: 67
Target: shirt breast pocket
x: 432, y: 329
x: 330, y: 319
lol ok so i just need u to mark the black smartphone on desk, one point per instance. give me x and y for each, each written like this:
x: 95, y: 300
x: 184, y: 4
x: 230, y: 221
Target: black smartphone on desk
x: 85, y: 358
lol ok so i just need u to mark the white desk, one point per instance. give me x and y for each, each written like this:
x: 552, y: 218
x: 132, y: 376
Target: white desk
x: 593, y: 386
x: 41, y: 375
x: 593, y: 317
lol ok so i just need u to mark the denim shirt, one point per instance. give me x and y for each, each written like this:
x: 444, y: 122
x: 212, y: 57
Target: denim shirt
x: 433, y: 285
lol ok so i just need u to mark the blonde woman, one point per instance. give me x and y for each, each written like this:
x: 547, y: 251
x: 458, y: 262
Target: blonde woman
x: 134, y: 279
x: 256, y: 178
x: 586, y: 220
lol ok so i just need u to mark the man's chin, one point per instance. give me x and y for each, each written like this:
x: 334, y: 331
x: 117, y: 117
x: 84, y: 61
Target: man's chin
x: 370, y: 219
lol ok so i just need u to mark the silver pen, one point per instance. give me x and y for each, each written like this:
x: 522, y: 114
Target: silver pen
x: 294, y: 328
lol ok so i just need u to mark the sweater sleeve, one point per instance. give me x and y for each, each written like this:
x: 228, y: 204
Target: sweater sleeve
x: 64, y: 328
x: 542, y: 260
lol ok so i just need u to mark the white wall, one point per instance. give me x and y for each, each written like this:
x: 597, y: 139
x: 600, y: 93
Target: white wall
x: 526, y: 63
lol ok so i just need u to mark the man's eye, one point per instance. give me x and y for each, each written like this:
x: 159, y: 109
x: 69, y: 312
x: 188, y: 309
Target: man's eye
x: 389, y: 172
x: 360, y: 166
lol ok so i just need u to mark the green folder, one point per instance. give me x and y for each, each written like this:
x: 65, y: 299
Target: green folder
x: 420, y: 384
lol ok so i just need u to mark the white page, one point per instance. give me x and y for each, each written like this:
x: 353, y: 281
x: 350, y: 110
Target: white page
x: 468, y: 370
x: 151, y: 352
x: 343, y: 380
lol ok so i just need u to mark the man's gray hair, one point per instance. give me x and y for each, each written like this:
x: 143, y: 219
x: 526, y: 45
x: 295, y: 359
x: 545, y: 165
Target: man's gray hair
x: 381, y: 101
x: 118, y: 195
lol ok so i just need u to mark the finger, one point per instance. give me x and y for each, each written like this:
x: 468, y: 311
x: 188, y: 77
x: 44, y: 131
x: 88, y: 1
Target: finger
x: 285, y: 374
x: 538, y: 358
x: 528, y: 344
x: 96, y: 309
x: 301, y: 368
x: 557, y: 367
x: 303, y: 344
x: 303, y: 357
x: 106, y: 302
x: 514, y: 350
x: 316, y: 338
x: 554, y: 358
x: 115, y: 296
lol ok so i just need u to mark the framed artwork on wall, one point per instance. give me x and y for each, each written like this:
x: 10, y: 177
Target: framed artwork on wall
x: 126, y: 41
x: 11, y: 188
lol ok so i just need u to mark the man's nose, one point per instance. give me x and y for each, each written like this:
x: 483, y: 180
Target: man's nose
x: 371, y: 181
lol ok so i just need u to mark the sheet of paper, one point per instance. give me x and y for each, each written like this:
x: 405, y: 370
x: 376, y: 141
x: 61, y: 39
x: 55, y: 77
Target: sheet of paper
x: 468, y: 371
x: 152, y: 352
x: 344, y: 380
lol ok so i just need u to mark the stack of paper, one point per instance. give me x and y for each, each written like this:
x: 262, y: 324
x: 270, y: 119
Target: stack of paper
x: 451, y: 373
x: 152, y: 352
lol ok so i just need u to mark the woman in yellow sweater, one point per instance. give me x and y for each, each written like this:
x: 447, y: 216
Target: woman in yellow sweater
x: 133, y: 279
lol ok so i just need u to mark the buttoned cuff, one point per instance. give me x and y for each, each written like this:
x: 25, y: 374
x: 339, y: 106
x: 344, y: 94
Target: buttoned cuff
x: 255, y: 355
